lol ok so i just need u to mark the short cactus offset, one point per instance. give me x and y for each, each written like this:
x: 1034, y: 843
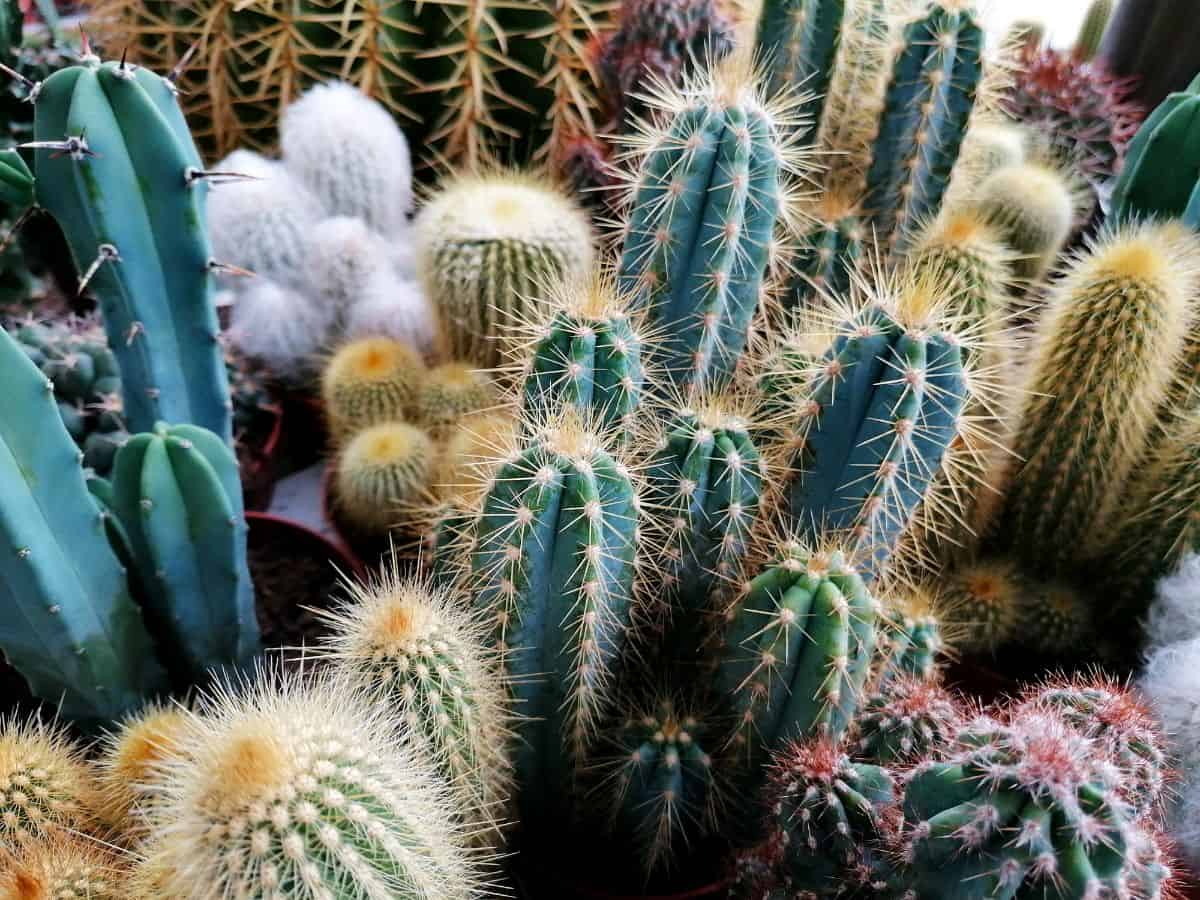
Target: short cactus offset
x: 451, y: 392
x: 912, y: 627
x: 65, y: 867
x: 177, y: 492
x: 284, y: 783
x: 585, y: 352
x: 1032, y: 207
x: 1091, y: 32
x: 130, y: 767
x: 829, y: 253
x: 799, y: 41
x: 382, y: 471
x: 663, y: 782
x: 1126, y: 301
x: 984, y: 600
x: 935, y: 80
x: 991, y: 146
x: 413, y: 646
x: 798, y: 650
x: 368, y: 382
x: 487, y: 247
x: 552, y: 568
x: 709, y: 186
x: 905, y: 720
x: 49, y: 787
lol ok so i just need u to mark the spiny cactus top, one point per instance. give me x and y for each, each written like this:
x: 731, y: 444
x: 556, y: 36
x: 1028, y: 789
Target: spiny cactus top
x: 903, y: 720
x: 130, y: 765
x: 46, y: 784
x: 62, y: 866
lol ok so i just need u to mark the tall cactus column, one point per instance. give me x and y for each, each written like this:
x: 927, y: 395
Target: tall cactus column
x: 800, y: 40
x: 706, y: 199
x: 117, y: 169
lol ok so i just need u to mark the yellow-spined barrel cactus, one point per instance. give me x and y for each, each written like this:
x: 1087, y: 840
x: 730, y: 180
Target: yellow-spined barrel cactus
x: 368, y: 382
x: 383, y: 471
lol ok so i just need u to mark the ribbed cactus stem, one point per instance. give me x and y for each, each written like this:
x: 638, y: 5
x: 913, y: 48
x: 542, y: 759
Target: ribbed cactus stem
x: 1032, y: 208
x: 904, y: 720
x: 1091, y: 32
x: 828, y: 256
x: 799, y: 39
x: 1159, y: 176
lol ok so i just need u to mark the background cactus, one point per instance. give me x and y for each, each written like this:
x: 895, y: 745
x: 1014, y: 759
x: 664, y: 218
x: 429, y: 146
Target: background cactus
x: 799, y: 41
x: 984, y: 600
x: 990, y: 146
x: 829, y: 253
x: 70, y: 626
x: 369, y: 382
x: 50, y: 787
x: 449, y: 393
x: 704, y: 202
x: 117, y: 169
x: 380, y: 472
x: 63, y: 866
x: 487, y: 245
x: 130, y: 766
x: 906, y: 719
x: 1033, y: 209
x: 1091, y: 32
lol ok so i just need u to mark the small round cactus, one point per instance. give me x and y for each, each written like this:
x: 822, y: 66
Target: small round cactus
x: 991, y: 146
x: 130, y: 765
x: 289, y: 787
x: 904, y: 720
x: 449, y: 393
x: 413, y: 646
x: 369, y: 382
x: 912, y: 628
x: 471, y: 452
x: 1032, y: 206
x: 46, y: 785
x: 1057, y: 618
x: 984, y: 602
x: 383, y: 469
x: 64, y: 867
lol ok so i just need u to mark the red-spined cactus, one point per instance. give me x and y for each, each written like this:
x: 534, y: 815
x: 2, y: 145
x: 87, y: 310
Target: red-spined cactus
x: 1084, y: 113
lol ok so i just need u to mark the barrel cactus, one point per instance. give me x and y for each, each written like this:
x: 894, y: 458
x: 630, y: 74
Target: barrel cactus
x: 904, y: 720
x: 369, y: 382
x: 383, y: 473
x: 49, y: 785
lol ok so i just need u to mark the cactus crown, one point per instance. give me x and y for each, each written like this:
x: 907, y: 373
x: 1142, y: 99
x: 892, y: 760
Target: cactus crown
x: 62, y: 866
x: 130, y: 764
x: 48, y: 787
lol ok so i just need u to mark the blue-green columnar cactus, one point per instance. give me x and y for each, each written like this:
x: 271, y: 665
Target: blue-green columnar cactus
x: 16, y: 181
x: 799, y: 40
x: 930, y: 97
x: 67, y: 622
x: 797, y: 650
x: 587, y: 354
x: 877, y: 419
x: 828, y: 257
x: 117, y: 169
x: 704, y: 483
x: 553, y: 567
x: 706, y: 197
x: 177, y: 492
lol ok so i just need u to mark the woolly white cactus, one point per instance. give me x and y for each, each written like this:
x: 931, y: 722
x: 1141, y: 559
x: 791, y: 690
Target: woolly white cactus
x: 1175, y: 613
x: 349, y: 152
x: 298, y: 789
x: 397, y: 309
x: 341, y: 257
x: 279, y: 326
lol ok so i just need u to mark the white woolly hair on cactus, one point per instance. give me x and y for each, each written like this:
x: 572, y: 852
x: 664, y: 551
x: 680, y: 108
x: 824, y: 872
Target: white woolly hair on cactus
x: 391, y: 307
x: 349, y: 152
x: 342, y: 256
x: 261, y: 225
x: 294, y: 786
x: 281, y: 327
x: 1175, y: 613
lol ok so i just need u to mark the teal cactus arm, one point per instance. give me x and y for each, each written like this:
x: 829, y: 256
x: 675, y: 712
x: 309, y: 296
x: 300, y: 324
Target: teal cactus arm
x: 117, y: 169
x: 67, y: 622
x: 177, y: 495
x: 826, y: 261
x: 799, y: 39
x: 930, y: 97
x: 16, y: 181
x: 1161, y: 175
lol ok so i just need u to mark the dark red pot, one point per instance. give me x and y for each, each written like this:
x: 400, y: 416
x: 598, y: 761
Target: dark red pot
x: 308, y: 540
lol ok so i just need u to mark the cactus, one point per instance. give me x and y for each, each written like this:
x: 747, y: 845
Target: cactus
x: 177, y: 492
x: 798, y: 650
x: 1159, y: 178
x: 552, y: 568
x: 1058, y: 618
x: 130, y: 766
x: 382, y: 470
x: 1034, y: 778
x: 878, y: 416
x: 984, y: 600
x: 449, y: 393
x: 829, y: 254
x: 344, y: 260
x: 1091, y: 32
x: 1026, y: 34
x: 966, y: 249
x: 351, y: 812
x: 1032, y: 208
x: 704, y: 203
x: 67, y: 621
x: 280, y: 328
x: 663, y: 782
x: 585, y: 352
x: 369, y: 382
x: 799, y: 41
x: 913, y: 629
x: 65, y: 867
x: 1127, y: 301
x: 704, y: 482
x: 931, y: 95
x: 905, y: 720
x: 49, y: 786
x: 117, y: 169
x: 486, y: 247
x: 991, y: 146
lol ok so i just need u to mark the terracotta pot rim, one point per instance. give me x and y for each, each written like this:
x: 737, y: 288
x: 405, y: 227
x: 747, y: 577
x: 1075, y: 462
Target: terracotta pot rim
x: 338, y: 550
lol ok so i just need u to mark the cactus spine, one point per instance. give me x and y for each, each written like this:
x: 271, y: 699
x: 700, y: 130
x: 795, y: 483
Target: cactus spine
x: 553, y: 569
x: 69, y: 625
x: 117, y: 169
x: 800, y: 39
x: 934, y: 80
x: 450, y: 393
x: 903, y: 721
x: 1032, y: 207
x: 49, y: 787
x: 177, y: 492
x: 984, y: 601
x: 705, y: 199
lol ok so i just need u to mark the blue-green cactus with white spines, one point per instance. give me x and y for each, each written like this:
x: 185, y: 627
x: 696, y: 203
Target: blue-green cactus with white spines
x: 177, y: 492
x: 797, y: 650
x: 587, y: 355
x: 799, y: 40
x: 67, y: 621
x: 827, y: 258
x: 710, y: 185
x: 117, y: 168
x: 935, y: 79
x: 552, y: 566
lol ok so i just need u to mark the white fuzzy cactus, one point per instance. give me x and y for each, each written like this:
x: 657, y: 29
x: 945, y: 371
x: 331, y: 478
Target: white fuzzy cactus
x: 298, y: 789
x: 1175, y: 613
x: 281, y: 327
x: 390, y: 307
x: 342, y: 256
x: 348, y: 151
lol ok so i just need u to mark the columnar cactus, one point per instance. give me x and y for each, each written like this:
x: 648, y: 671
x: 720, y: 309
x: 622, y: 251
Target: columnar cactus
x: 384, y: 471
x: 67, y: 621
x: 906, y: 719
x: 585, y: 352
x: 369, y: 382
x: 799, y: 40
x: 1032, y: 207
x: 49, y: 786
x: 290, y: 788
x: 177, y: 492
x: 553, y: 570
x: 1091, y: 32
x: 991, y: 146
x: 969, y: 251
x: 829, y: 253
x: 487, y: 246
x: 1127, y: 301
x: 414, y: 647
x: 117, y: 169
x: 798, y: 650
x: 935, y: 78
x: 704, y: 202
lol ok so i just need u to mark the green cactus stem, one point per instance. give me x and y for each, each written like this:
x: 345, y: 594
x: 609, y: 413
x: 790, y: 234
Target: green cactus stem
x: 799, y: 39
x: 905, y: 720
x: 829, y: 255
x: 1159, y: 178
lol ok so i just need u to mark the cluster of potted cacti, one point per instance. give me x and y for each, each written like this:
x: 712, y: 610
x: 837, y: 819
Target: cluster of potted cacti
x: 752, y: 390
